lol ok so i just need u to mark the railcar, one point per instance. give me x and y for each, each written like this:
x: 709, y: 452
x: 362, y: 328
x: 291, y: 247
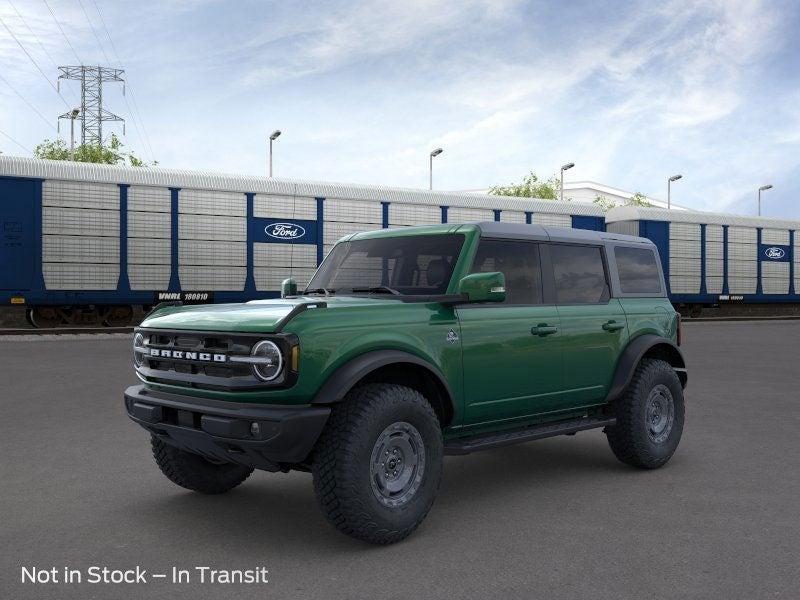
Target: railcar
x: 87, y: 243
x: 713, y: 258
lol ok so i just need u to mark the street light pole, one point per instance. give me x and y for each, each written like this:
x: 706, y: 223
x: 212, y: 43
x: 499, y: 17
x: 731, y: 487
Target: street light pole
x: 762, y: 189
x: 72, y: 116
x: 564, y: 168
x: 272, y: 138
x: 436, y: 152
x: 669, y: 189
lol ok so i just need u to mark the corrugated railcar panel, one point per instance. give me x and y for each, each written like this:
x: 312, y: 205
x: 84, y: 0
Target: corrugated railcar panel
x: 623, y: 227
x: 80, y: 194
x: 714, y: 267
x: 714, y: 233
x: 149, y: 225
x: 714, y: 250
x: 207, y: 278
x: 459, y: 214
x: 353, y: 211
x: 684, y: 231
x: 284, y: 255
x: 414, y: 214
x: 742, y: 268
x: 684, y: 284
x: 80, y: 249
x: 285, y: 207
x: 741, y: 285
x: 552, y: 220
x: 207, y: 202
x: 149, y: 199
x: 679, y: 248
x: 743, y: 252
x: 512, y: 216
x: 775, y: 236
x: 742, y: 235
x: 203, y: 252
x: 80, y: 276
x: 714, y: 285
x: 270, y: 278
x: 775, y: 277
x: 144, y: 251
x: 208, y: 227
x: 332, y: 231
x: 77, y: 221
x: 148, y: 277
x: 684, y: 266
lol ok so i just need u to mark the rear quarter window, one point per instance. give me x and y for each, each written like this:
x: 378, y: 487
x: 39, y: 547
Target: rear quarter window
x: 638, y: 270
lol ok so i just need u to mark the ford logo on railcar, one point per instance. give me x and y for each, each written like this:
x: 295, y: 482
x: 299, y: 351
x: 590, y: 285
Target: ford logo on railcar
x: 775, y: 253
x: 285, y: 231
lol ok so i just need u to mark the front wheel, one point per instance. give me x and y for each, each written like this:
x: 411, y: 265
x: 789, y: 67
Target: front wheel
x: 378, y: 463
x: 649, y: 416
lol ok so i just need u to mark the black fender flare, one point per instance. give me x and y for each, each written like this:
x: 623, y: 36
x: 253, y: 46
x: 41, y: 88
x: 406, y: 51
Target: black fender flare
x: 346, y: 376
x: 633, y: 354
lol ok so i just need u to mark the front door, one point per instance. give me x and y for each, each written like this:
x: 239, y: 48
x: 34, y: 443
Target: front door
x: 512, y: 351
x: 593, y: 325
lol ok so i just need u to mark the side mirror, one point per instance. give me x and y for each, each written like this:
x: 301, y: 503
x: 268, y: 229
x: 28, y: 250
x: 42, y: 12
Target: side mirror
x: 483, y: 287
x: 288, y: 287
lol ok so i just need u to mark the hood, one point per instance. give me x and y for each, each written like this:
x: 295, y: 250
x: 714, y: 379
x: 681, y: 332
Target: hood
x: 256, y: 316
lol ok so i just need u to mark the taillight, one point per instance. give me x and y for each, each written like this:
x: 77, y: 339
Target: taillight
x: 679, y: 328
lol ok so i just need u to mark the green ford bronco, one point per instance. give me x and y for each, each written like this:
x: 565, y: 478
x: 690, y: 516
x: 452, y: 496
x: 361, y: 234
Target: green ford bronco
x: 410, y: 344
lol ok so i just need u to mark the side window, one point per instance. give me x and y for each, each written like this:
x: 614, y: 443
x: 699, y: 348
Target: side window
x: 519, y: 262
x: 638, y: 271
x: 579, y: 274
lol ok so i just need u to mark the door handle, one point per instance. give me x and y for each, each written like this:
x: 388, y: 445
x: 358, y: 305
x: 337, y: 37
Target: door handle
x: 612, y: 326
x: 543, y: 329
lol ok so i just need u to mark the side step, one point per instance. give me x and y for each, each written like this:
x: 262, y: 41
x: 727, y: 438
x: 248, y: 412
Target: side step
x: 526, y: 434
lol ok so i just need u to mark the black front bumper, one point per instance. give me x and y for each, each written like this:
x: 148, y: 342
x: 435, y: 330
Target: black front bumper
x: 257, y: 435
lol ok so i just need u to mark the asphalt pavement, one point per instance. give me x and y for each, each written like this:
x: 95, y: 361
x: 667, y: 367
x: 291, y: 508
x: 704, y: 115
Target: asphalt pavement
x: 557, y: 518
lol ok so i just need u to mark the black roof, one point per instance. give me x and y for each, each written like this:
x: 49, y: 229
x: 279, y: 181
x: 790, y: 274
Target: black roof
x: 553, y: 234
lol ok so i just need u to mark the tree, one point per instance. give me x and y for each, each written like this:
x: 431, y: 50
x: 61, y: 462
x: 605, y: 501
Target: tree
x: 531, y: 187
x: 638, y: 199
x: 110, y: 154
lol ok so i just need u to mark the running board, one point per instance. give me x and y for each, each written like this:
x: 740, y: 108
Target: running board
x: 527, y: 434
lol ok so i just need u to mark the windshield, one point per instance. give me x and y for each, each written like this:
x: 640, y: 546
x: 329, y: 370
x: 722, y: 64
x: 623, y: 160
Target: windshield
x: 413, y: 265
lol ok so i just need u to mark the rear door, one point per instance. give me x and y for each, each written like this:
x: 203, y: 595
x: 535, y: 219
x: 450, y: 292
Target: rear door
x: 17, y: 241
x: 511, y: 351
x: 593, y: 325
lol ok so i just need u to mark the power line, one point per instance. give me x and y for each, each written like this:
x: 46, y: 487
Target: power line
x: 66, y: 39
x: 31, y: 106
x: 28, y: 54
x: 96, y: 37
x: 15, y: 141
x: 38, y: 41
x: 135, y: 115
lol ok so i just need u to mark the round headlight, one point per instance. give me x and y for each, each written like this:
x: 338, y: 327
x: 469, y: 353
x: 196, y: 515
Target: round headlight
x: 138, y: 349
x: 270, y: 360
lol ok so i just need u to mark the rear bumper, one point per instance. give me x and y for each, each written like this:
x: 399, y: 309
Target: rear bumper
x: 256, y: 435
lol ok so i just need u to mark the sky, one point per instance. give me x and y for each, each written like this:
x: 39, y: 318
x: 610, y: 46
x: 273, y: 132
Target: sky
x: 631, y: 92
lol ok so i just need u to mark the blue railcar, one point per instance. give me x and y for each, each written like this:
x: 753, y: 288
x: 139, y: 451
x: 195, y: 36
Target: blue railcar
x: 712, y: 258
x: 86, y: 242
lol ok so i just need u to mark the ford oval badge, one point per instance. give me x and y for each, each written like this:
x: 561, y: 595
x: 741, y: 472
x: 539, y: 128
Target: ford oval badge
x: 285, y: 231
x: 775, y: 253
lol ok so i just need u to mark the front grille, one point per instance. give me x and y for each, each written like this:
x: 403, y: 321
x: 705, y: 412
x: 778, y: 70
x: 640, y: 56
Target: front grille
x: 197, y: 364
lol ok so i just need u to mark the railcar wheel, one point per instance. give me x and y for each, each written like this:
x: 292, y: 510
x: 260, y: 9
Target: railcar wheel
x: 44, y: 317
x: 118, y: 316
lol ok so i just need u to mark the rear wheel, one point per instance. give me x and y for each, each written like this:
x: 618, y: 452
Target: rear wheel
x: 378, y: 463
x: 193, y: 472
x: 649, y: 416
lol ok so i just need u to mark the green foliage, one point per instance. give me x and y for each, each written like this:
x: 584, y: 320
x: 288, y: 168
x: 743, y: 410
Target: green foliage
x: 531, y: 187
x: 638, y: 199
x: 109, y: 154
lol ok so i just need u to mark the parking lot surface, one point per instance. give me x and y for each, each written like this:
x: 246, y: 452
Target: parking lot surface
x: 558, y: 518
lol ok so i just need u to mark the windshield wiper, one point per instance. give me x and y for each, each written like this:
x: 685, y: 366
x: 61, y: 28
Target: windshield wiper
x: 325, y: 291
x: 377, y: 289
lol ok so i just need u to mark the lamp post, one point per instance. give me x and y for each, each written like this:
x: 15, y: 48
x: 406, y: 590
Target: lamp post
x: 762, y: 189
x: 436, y: 152
x: 669, y: 189
x: 73, y: 114
x: 564, y: 168
x: 272, y: 138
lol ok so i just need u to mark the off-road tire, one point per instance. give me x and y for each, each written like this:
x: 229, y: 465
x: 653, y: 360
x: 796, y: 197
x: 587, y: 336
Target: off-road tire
x: 343, y: 462
x: 193, y: 472
x: 630, y: 439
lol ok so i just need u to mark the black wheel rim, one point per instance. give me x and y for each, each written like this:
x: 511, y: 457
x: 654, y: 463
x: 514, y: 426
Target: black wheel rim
x: 397, y: 464
x: 659, y: 414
